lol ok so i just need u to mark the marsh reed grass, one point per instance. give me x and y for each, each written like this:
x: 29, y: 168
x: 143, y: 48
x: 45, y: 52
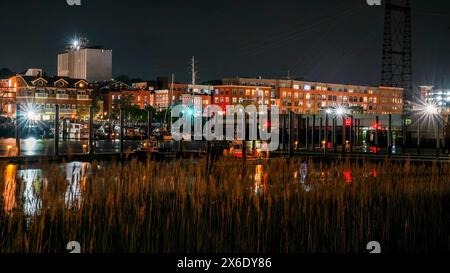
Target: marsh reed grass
x: 177, y: 207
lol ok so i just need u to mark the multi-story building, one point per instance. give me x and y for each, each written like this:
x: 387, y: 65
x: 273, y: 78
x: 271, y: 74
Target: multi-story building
x: 198, y: 96
x: 438, y: 96
x: 94, y: 64
x: 7, y: 98
x: 38, y: 95
x: 243, y: 95
x: 364, y: 100
x: 312, y: 97
x: 139, y: 98
x: 165, y: 98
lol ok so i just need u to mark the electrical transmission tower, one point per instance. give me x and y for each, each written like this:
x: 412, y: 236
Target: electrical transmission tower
x: 397, y: 48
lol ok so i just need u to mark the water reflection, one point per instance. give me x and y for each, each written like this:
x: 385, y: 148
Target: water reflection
x: 303, y: 175
x: 29, y: 146
x: 31, y: 185
x: 23, y: 187
x: 261, y: 178
x: 348, y: 177
x: 9, y: 191
x: 76, y: 178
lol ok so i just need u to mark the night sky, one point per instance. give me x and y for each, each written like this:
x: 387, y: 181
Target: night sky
x: 325, y: 40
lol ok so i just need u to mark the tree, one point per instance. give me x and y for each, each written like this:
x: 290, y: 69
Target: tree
x: 213, y: 82
x: 96, y: 104
x: 127, y: 80
x: 124, y: 102
x: 6, y: 73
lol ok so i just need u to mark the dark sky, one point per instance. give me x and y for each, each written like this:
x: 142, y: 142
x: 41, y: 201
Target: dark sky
x: 324, y: 40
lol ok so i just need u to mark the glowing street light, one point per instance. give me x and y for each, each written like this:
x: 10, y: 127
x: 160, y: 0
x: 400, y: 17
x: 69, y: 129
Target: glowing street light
x: 431, y: 109
x: 340, y: 111
x: 429, y: 113
x: 31, y: 115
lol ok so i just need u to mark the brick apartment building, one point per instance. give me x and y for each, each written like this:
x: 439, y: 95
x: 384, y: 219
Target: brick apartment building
x: 40, y: 94
x: 312, y: 97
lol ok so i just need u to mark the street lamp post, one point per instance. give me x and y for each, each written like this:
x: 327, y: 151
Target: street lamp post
x: 437, y: 140
x: 418, y: 137
x: 320, y: 130
x: 431, y: 112
x: 390, y: 135
x: 313, y: 133
x: 91, y: 130
x: 306, y: 133
x: 121, y: 117
x: 17, y: 129
x: 56, y: 136
x: 377, y: 125
x: 326, y: 132
x: 334, y: 135
x: 344, y: 137
x: 351, y: 134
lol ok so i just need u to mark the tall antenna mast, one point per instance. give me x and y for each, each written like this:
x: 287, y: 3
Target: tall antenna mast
x: 171, y: 88
x: 169, y: 124
x: 193, y: 72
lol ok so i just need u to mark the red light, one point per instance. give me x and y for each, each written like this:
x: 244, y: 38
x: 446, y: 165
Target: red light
x: 348, y: 177
x: 348, y: 122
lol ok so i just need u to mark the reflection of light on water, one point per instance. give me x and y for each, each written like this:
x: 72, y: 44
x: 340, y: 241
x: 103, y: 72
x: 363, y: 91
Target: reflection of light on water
x: 9, y: 193
x: 29, y: 145
x: 303, y: 172
x: 260, y: 179
x: 307, y: 188
x: 32, y: 183
x: 303, y: 175
x: 76, y: 176
x: 348, y: 177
